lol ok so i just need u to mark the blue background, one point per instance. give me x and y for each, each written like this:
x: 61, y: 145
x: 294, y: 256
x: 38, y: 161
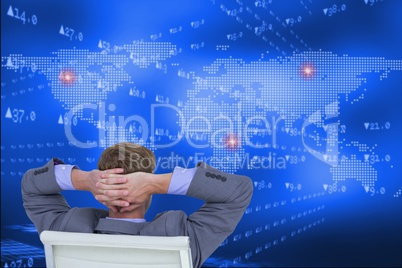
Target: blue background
x: 304, y: 212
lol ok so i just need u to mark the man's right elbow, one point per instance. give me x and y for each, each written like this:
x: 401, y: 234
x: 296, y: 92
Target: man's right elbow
x: 26, y: 180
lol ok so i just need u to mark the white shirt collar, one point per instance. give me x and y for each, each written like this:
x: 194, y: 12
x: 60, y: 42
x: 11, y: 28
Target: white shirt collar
x: 127, y: 219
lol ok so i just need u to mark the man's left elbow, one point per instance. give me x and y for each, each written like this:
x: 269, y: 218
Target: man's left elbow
x: 249, y: 185
x: 248, y: 188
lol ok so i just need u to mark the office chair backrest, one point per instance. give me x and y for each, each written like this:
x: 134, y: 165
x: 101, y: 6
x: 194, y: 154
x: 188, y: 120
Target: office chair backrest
x: 66, y: 249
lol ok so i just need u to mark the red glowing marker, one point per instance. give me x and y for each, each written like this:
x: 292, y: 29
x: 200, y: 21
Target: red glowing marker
x: 307, y: 70
x: 67, y: 77
x: 232, y: 141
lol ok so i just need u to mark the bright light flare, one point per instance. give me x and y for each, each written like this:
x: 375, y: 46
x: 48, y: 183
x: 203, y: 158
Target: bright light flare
x: 67, y: 77
x: 307, y: 70
x: 232, y: 141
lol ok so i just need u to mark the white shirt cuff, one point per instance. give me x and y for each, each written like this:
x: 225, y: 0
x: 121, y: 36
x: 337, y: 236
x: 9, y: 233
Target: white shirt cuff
x: 63, y: 176
x: 181, y: 179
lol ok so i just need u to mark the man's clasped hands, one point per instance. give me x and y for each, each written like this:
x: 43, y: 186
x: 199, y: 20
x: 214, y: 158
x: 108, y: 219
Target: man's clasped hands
x: 124, y: 192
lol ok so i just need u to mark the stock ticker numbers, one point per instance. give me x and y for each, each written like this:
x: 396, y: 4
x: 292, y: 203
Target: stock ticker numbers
x: 20, y: 115
x: 377, y: 126
x: 372, y: 2
x: 71, y: 33
x: 331, y: 11
x: 16, y: 254
x: 22, y: 15
x: 306, y: 214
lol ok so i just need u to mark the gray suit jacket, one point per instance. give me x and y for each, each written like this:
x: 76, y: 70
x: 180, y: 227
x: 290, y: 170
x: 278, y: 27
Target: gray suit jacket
x: 226, y: 198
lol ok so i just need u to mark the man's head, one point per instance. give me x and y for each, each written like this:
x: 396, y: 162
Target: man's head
x: 129, y: 156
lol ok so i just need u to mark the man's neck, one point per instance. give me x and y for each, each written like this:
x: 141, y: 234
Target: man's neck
x: 135, y: 214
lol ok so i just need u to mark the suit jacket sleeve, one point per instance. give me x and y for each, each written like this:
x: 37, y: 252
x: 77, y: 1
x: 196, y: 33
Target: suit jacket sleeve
x: 48, y: 209
x: 226, y: 198
x: 41, y: 196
